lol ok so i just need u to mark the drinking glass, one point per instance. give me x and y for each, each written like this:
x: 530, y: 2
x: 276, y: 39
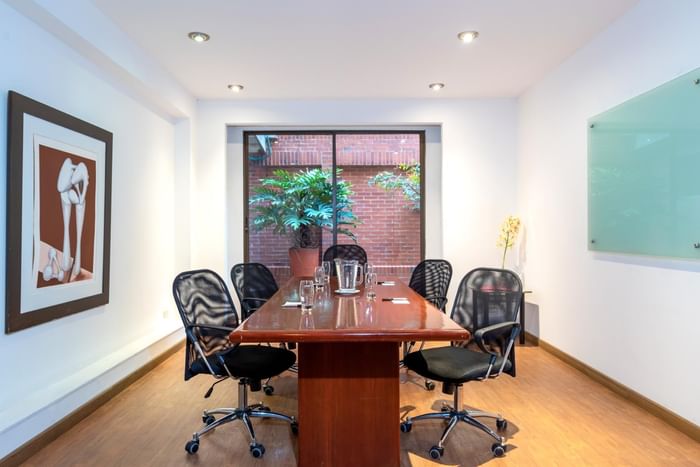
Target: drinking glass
x: 306, y: 320
x: 370, y: 284
x: 326, y: 265
x: 319, y: 277
x: 370, y: 268
x: 306, y: 294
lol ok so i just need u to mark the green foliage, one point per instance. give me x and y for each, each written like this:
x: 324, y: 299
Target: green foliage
x: 407, y: 180
x: 300, y: 204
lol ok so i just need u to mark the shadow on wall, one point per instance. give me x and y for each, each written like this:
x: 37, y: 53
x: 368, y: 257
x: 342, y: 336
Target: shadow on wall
x: 521, y: 254
x: 532, y: 318
x: 649, y: 261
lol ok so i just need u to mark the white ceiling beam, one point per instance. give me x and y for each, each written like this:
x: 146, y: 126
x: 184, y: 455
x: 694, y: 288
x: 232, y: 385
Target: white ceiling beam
x: 84, y: 28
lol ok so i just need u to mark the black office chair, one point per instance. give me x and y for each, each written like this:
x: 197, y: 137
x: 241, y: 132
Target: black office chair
x: 209, y: 316
x: 487, y: 304
x: 348, y: 252
x: 431, y: 280
x: 254, y: 285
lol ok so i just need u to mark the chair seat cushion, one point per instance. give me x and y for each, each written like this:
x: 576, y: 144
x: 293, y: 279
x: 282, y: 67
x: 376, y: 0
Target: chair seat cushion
x: 248, y: 361
x: 452, y: 364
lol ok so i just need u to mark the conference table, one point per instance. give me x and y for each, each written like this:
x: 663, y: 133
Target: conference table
x: 348, y: 362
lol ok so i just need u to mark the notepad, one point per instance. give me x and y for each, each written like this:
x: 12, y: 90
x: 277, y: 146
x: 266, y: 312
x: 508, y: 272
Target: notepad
x: 291, y: 304
x: 397, y: 300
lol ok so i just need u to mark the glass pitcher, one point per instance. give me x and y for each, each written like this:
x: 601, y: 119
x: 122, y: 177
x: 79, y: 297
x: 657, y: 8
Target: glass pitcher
x: 349, y: 274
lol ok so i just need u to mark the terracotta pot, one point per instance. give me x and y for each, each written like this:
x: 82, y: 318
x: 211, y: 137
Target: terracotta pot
x: 303, y: 261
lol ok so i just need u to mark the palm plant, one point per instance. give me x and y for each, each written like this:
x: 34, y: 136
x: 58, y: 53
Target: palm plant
x: 300, y: 204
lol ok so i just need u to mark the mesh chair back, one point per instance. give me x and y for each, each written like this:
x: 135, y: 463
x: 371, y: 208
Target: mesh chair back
x: 431, y: 279
x: 202, y: 298
x: 489, y: 296
x: 254, y: 285
x: 348, y: 252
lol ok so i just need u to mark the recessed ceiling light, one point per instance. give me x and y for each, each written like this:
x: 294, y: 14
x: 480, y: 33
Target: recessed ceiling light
x: 235, y: 87
x: 436, y: 86
x: 198, y: 36
x: 467, y: 36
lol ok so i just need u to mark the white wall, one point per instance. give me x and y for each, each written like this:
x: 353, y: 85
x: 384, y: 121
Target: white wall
x: 477, y: 181
x: 51, y: 369
x: 633, y: 318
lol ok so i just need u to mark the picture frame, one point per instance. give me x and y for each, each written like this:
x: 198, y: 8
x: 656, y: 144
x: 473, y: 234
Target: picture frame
x: 59, y: 188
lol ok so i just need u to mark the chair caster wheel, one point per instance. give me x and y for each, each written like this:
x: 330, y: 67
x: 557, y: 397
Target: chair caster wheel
x: 208, y: 419
x: 501, y: 424
x: 498, y: 450
x: 268, y: 390
x: 192, y: 446
x: 436, y: 452
x: 295, y: 428
x: 257, y: 450
x: 406, y: 427
x: 429, y: 385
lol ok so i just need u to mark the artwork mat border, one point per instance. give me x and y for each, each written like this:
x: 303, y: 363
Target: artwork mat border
x: 18, y: 106
x: 32, y: 297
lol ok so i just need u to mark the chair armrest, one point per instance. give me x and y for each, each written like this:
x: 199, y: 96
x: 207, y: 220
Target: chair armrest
x: 252, y: 304
x: 254, y: 299
x: 499, y: 328
x: 217, y: 330
x: 223, y: 329
x: 213, y: 327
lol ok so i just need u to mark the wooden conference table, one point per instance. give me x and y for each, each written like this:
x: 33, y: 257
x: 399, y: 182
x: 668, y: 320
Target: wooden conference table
x: 348, y: 358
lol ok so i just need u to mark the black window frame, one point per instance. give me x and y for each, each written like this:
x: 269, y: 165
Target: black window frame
x: 333, y: 134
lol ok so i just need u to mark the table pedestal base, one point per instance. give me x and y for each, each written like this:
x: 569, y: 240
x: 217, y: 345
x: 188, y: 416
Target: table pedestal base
x: 349, y: 404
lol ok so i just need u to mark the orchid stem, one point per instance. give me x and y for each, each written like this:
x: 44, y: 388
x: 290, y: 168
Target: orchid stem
x: 505, y: 249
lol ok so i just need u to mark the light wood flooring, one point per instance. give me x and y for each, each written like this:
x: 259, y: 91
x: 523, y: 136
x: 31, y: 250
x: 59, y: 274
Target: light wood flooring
x: 557, y: 417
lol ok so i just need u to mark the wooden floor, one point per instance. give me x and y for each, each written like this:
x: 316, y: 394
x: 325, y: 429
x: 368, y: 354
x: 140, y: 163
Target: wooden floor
x: 557, y: 416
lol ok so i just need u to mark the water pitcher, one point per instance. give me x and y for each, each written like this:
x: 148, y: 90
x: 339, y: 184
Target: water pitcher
x: 349, y: 274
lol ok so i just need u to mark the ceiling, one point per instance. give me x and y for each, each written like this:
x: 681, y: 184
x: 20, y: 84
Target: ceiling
x: 360, y: 48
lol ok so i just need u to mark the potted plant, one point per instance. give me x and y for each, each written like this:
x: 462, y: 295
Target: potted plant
x: 300, y: 205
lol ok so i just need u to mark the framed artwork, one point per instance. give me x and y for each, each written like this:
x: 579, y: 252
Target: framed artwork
x: 59, y: 182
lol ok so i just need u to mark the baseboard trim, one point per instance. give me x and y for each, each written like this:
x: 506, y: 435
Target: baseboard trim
x: 532, y: 339
x: 31, y: 447
x: 681, y: 424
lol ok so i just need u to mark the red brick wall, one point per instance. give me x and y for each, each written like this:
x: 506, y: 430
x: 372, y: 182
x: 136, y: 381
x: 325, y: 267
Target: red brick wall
x: 389, y: 230
x: 377, y: 149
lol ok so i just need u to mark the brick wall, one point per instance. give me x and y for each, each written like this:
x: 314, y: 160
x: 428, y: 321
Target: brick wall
x: 389, y: 229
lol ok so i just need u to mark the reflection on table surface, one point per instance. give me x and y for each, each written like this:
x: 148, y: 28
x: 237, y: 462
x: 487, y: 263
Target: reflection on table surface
x: 348, y: 317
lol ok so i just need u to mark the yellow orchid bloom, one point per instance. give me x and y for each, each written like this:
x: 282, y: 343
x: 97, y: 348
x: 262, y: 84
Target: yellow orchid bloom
x: 509, y: 233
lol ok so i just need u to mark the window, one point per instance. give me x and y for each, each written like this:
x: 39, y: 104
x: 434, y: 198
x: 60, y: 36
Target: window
x: 383, y: 171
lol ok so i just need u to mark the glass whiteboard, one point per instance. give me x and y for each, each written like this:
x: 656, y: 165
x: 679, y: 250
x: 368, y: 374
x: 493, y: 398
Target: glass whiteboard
x: 644, y: 173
